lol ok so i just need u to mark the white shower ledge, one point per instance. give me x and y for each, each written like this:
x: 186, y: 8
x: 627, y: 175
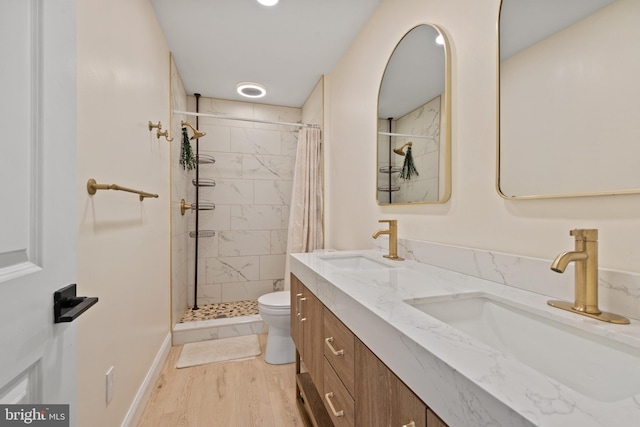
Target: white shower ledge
x: 465, y: 382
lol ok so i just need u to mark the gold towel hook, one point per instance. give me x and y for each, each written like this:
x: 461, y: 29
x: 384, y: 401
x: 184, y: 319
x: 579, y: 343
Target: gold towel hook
x: 165, y: 134
x: 152, y: 126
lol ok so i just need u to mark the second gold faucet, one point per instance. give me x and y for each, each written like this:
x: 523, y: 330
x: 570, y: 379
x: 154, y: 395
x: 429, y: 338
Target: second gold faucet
x: 392, y: 231
x: 585, y: 257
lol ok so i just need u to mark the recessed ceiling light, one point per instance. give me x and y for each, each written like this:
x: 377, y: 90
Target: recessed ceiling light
x: 268, y: 2
x: 440, y: 40
x: 251, y: 90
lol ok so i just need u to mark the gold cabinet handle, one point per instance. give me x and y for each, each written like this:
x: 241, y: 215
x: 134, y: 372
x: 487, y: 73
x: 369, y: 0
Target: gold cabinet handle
x: 335, y: 352
x: 298, y: 296
x: 302, y: 319
x: 411, y: 424
x: 328, y: 397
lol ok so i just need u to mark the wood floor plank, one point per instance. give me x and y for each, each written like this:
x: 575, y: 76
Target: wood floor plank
x: 249, y: 393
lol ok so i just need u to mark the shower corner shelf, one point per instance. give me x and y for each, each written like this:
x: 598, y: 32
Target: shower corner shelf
x: 390, y: 169
x: 203, y: 182
x: 388, y: 188
x: 202, y: 233
x: 205, y: 159
x: 204, y: 206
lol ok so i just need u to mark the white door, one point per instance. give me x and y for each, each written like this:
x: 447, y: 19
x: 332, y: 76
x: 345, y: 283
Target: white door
x: 37, y: 200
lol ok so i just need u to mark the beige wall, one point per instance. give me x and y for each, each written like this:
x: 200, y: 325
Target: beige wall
x: 312, y: 110
x: 475, y: 216
x: 123, y: 244
x: 180, y: 183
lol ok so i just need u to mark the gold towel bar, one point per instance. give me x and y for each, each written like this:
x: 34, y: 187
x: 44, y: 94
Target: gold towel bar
x: 93, y: 186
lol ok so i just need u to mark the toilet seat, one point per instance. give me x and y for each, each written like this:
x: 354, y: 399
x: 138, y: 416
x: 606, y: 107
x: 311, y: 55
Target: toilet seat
x: 276, y: 300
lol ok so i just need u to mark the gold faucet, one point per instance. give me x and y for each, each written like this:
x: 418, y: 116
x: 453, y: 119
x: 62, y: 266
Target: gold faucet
x: 393, y: 238
x: 586, y: 277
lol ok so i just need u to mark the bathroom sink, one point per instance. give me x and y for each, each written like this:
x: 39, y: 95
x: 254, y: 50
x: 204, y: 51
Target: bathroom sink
x: 354, y: 262
x: 591, y: 364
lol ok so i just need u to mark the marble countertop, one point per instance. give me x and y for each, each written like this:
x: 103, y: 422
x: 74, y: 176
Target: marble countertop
x: 464, y: 381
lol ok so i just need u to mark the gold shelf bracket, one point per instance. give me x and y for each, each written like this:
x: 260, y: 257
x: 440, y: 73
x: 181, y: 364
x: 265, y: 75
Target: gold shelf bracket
x: 93, y: 187
x: 184, y: 206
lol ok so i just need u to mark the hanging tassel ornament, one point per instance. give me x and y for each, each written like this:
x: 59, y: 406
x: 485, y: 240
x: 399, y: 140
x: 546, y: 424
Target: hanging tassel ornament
x: 408, y: 169
x: 187, y: 160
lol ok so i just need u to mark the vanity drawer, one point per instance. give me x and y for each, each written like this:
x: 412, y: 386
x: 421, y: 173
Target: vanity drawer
x: 339, y: 349
x: 339, y: 403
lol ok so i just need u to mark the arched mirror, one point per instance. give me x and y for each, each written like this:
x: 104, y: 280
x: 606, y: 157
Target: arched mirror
x: 569, y: 90
x: 414, y: 121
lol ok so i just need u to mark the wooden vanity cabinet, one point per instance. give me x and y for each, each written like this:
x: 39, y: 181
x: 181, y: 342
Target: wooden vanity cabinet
x: 338, y: 402
x: 339, y: 371
x: 433, y: 420
x: 345, y: 384
x: 306, y: 331
x: 339, y: 349
x: 306, y: 328
x: 382, y: 398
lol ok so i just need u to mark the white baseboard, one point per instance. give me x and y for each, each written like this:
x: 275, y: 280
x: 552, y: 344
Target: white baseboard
x: 141, y: 397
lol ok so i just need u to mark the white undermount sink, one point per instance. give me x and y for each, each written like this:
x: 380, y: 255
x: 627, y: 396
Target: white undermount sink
x: 591, y: 364
x: 354, y: 262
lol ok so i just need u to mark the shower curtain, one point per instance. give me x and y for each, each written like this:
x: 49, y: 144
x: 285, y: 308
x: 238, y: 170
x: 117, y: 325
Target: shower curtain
x: 305, y: 217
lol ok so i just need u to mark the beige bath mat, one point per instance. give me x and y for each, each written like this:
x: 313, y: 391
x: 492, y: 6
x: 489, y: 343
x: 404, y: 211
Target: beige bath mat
x: 199, y: 353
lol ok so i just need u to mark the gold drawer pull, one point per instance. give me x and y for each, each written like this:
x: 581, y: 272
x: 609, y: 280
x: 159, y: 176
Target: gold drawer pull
x: 335, y: 352
x: 302, y: 319
x: 328, y: 397
x: 411, y: 424
x: 298, y: 304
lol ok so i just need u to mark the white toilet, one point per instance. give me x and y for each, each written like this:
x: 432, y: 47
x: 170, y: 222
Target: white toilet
x: 275, y: 310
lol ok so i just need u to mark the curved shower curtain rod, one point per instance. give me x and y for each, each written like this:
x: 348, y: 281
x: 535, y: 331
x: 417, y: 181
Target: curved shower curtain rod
x: 222, y: 116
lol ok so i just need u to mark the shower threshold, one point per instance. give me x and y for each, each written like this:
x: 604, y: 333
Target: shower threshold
x: 222, y: 320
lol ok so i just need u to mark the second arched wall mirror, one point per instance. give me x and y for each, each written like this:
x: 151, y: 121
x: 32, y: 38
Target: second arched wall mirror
x: 414, y: 121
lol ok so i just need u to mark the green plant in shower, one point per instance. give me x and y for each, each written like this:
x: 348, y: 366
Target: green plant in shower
x: 408, y: 168
x: 187, y: 159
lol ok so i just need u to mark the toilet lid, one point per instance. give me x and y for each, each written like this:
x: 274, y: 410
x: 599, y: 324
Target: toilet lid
x: 276, y: 299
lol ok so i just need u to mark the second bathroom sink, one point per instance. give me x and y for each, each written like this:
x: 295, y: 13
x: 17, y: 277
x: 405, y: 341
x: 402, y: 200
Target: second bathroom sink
x: 354, y: 262
x: 591, y: 364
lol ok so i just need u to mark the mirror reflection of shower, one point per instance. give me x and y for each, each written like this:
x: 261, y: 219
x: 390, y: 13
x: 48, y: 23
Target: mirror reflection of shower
x: 413, y: 106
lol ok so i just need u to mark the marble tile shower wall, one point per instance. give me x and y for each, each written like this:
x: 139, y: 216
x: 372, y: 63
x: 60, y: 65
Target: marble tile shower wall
x: 254, y: 178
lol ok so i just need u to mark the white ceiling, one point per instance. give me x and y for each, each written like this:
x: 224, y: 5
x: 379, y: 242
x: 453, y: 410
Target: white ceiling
x: 217, y: 44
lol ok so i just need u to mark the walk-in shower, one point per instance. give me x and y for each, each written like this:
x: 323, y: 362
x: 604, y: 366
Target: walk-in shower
x: 237, y: 251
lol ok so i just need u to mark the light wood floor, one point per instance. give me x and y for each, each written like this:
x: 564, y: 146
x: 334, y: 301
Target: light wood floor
x: 244, y: 393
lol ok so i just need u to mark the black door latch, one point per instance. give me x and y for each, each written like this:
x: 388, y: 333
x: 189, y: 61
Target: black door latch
x: 67, y: 306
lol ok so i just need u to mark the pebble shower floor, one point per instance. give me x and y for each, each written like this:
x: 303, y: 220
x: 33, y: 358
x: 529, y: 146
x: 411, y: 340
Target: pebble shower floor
x: 221, y: 310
